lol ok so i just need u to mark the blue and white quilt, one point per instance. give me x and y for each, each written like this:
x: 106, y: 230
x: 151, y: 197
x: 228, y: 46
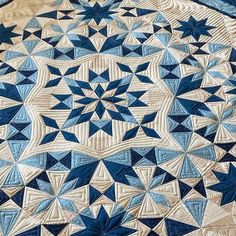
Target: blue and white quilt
x: 117, y: 117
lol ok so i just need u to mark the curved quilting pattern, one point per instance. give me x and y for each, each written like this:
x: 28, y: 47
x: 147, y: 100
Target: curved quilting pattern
x: 226, y: 7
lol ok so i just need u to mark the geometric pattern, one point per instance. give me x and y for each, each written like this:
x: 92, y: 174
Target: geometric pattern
x: 117, y: 118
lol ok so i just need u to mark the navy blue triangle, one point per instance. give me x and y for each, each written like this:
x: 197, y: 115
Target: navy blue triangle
x: 199, y: 187
x: 3, y: 197
x: 91, y: 31
x: 202, y: 132
x: 51, y: 14
x: 226, y: 146
x: 51, y: 161
x: 19, y: 197
x: 94, y: 194
x: 152, y: 233
x: 66, y: 161
x: 228, y: 158
x: 55, y: 229
x: 110, y: 193
x: 151, y: 222
x: 128, y: 14
x: 38, y: 33
x: 168, y: 177
x: 142, y: 12
x: 184, y: 189
x: 176, y: 228
x: 26, y: 34
x: 33, y: 184
x: 36, y: 231
x: 103, y: 31
x: 135, y: 157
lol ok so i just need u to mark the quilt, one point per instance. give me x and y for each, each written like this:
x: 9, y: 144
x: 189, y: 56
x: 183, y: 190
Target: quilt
x: 117, y: 117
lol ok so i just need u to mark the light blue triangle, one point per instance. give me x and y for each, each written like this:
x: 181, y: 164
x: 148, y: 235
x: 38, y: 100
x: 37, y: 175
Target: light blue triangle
x: 168, y: 58
x: 72, y: 26
x: 100, y: 123
x: 2, y: 86
x: 30, y: 45
x: 58, y: 29
x: 11, y: 131
x: 159, y: 199
x: 127, y: 218
x: 149, y: 50
x: 3, y: 71
x: 4, y: 163
x: 78, y: 159
x: 8, y: 219
x: 24, y: 90
x: 181, y: 47
x: 183, y: 138
x: 173, y: 85
x: 197, y: 208
x: 13, y: 178
x: 178, y: 108
x: 205, y: 153
x: 99, y: 79
x: 163, y: 72
x: 172, y: 124
x: 159, y: 18
x: 120, y: 158
x: 164, y: 155
x: 126, y: 80
x: 48, y: 53
x: 21, y: 116
x: 87, y: 212
x: 188, y: 169
x: 144, y: 162
x: 70, y: 122
x: 68, y: 186
x: 79, y: 52
x: 38, y: 161
x: 27, y: 131
x: 45, y: 186
x: 33, y: 24
x: 164, y: 38
x: 142, y: 151
x: 215, y: 47
x: 176, y: 71
x: 130, y: 99
x: 12, y: 55
x: 28, y: 65
x: 77, y: 220
x: 121, y: 25
x: 67, y: 204
x: 43, y: 205
x: 157, y: 181
x: 136, y: 200
x: 135, y: 182
x: 187, y: 123
x: 116, y: 51
x: 20, y: 77
x: 17, y: 147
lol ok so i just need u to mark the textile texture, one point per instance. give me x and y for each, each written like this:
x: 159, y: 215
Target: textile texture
x: 117, y: 117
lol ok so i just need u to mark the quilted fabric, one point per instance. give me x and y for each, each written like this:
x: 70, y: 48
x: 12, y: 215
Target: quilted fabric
x: 117, y: 117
